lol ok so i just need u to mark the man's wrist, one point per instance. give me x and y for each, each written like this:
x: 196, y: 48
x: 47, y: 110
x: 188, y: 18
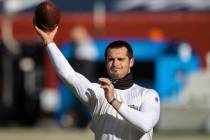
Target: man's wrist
x: 112, y: 100
x: 48, y: 42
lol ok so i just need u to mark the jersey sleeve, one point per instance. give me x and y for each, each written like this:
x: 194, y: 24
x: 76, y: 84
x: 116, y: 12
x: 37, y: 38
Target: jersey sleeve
x: 148, y: 115
x: 75, y: 80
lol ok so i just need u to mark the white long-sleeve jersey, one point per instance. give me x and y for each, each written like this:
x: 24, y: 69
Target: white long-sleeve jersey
x: 136, y: 117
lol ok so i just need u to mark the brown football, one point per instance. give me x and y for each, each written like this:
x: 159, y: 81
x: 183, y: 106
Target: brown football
x: 47, y: 16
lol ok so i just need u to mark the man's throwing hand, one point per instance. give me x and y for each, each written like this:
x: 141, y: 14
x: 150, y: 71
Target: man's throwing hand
x: 47, y: 37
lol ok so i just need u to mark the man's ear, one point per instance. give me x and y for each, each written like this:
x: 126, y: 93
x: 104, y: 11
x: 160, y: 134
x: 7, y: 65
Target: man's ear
x: 131, y: 62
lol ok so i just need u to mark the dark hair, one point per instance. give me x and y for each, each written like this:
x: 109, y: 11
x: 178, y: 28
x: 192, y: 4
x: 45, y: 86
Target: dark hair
x: 120, y: 44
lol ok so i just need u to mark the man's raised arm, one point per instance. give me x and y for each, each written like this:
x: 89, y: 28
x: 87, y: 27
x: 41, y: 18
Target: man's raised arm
x: 62, y: 66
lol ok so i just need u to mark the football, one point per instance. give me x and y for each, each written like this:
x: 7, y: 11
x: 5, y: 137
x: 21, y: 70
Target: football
x: 47, y: 16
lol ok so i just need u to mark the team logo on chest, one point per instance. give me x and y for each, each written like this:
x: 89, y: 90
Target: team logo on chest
x: 135, y: 107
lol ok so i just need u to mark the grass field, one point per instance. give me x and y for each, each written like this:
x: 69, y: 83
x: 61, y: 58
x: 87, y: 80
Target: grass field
x: 73, y: 134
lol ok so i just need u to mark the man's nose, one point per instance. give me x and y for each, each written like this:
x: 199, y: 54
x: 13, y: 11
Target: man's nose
x: 116, y: 62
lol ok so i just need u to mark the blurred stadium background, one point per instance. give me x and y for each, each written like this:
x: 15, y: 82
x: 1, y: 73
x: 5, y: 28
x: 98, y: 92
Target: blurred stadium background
x: 171, y: 47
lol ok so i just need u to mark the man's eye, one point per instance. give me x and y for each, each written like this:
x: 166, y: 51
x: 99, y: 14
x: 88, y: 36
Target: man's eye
x: 110, y: 59
x: 120, y: 59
